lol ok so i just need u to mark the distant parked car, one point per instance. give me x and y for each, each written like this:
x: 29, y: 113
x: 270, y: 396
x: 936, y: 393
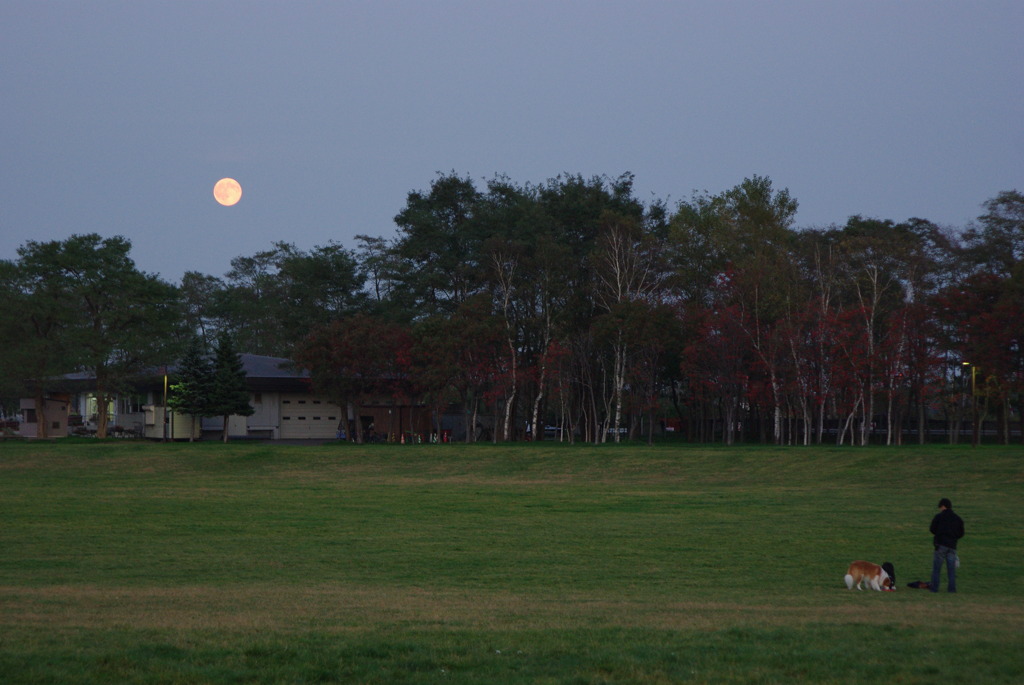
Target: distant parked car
x: 549, y: 431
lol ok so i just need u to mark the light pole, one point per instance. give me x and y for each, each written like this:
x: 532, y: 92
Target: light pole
x: 165, y: 405
x: 975, y: 432
x: 1015, y: 355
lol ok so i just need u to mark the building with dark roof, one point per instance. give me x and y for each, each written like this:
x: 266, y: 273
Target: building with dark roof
x: 285, y: 408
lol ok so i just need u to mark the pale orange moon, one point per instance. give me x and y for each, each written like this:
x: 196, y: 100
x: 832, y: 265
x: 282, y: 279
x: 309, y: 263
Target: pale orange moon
x: 227, y: 191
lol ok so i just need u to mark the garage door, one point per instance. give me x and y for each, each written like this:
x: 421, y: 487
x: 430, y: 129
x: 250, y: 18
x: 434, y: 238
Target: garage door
x: 308, y: 418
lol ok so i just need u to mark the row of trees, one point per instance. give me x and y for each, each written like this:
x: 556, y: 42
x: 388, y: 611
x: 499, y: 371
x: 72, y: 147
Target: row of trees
x: 208, y: 387
x: 575, y: 302
x: 82, y: 305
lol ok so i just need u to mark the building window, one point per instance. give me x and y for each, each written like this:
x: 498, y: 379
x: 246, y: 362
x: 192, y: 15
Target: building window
x: 131, y: 404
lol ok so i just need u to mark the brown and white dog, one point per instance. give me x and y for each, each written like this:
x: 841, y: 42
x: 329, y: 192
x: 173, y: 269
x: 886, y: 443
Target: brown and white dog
x: 871, y: 575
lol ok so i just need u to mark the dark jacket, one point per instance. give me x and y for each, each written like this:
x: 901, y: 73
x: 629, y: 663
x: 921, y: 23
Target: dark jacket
x: 947, y: 528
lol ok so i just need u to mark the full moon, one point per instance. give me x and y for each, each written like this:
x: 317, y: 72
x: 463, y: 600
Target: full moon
x: 227, y: 191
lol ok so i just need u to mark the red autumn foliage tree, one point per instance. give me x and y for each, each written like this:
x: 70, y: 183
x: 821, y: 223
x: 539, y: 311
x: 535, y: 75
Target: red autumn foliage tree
x: 453, y: 357
x: 356, y: 359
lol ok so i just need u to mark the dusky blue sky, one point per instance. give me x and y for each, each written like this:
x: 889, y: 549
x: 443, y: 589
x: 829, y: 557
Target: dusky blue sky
x: 118, y: 117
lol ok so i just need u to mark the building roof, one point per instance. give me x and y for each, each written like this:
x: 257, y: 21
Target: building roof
x: 261, y: 366
x: 273, y: 373
x: 260, y: 371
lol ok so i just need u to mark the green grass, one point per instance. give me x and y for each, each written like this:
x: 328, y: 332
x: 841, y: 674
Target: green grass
x: 208, y: 563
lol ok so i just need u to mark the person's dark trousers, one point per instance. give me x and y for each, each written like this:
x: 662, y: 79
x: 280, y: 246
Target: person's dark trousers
x: 947, y: 554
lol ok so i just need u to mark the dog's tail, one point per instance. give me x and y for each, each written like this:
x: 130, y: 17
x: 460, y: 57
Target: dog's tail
x: 849, y: 581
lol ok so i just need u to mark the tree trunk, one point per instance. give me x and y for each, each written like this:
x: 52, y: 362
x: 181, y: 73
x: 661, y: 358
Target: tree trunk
x: 538, y: 432
x: 42, y: 425
x: 619, y: 380
x: 808, y: 428
x: 776, y: 410
x: 496, y: 423
x: 469, y: 418
x: 510, y: 403
x: 650, y: 427
x: 888, y: 419
x: 848, y: 425
x: 102, y: 400
x: 922, y: 428
x: 822, y: 410
x: 607, y: 398
x: 358, y: 423
x: 1020, y: 419
x: 1006, y: 420
x: 729, y: 417
x: 476, y: 416
x: 867, y: 412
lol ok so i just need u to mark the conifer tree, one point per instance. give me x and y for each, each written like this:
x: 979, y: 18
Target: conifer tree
x: 229, y: 395
x: 191, y: 394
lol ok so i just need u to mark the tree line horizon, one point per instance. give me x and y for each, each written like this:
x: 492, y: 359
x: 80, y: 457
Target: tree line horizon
x: 574, y: 303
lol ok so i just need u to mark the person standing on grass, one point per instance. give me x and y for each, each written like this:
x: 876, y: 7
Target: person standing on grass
x: 947, y: 527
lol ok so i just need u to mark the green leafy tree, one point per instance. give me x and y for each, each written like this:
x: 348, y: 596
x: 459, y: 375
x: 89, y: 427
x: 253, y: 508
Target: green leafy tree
x: 252, y: 300
x: 439, y: 246
x: 203, y: 300
x: 272, y: 299
x: 996, y: 242
x: 746, y: 231
x: 559, y: 295
x: 318, y: 286
x: 36, y: 349
x: 379, y: 261
x: 228, y: 394
x: 629, y: 273
x: 114, y: 320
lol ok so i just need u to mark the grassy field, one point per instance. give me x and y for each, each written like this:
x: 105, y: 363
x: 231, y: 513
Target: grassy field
x: 174, y: 563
